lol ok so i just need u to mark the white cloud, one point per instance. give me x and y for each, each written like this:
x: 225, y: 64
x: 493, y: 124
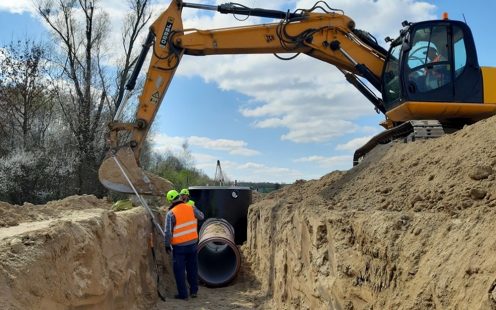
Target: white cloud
x: 205, y: 162
x: 233, y: 147
x: 256, y: 172
x: 246, y: 171
x: 113, y: 11
x: 163, y: 142
x: 332, y: 163
x: 353, y: 144
x: 16, y: 6
x: 382, y: 17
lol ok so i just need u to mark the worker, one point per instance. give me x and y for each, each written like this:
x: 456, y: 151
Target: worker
x: 181, y: 238
x: 437, y: 74
x: 434, y: 56
x: 184, y: 194
x: 185, y: 197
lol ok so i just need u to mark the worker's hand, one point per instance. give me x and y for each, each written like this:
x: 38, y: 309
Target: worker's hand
x: 168, y: 249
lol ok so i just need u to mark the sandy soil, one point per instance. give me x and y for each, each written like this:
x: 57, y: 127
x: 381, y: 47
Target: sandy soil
x: 80, y: 254
x: 411, y: 227
x: 75, y: 253
x: 243, y: 293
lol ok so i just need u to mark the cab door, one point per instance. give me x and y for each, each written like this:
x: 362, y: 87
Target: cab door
x: 440, y: 64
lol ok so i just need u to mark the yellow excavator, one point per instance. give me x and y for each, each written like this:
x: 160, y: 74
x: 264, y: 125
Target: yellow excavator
x: 429, y: 80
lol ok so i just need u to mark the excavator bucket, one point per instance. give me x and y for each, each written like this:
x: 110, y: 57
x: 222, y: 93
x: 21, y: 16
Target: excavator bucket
x: 119, y: 170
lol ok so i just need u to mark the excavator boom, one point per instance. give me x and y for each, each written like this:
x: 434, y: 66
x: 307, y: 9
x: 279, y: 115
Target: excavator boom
x: 327, y: 35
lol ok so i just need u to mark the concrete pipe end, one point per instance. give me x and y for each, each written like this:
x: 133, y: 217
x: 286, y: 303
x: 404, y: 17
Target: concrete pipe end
x: 219, y: 261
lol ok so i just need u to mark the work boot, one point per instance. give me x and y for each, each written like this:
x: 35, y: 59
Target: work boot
x: 180, y: 297
x: 193, y: 295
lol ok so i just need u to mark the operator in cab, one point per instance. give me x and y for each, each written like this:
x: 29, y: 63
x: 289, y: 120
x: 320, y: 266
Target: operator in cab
x: 181, y: 238
x: 437, y: 75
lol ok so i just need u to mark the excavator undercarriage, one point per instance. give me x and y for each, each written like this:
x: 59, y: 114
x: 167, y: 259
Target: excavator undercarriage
x: 408, y: 131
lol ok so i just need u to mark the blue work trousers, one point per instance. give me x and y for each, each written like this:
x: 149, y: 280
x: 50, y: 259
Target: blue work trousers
x: 185, y: 258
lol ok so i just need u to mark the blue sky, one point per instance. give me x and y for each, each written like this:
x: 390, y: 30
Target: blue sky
x: 266, y: 119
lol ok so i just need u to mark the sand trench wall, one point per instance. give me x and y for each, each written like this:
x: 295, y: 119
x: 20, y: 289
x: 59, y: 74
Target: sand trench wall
x: 378, y: 260
x: 411, y: 227
x: 93, y: 259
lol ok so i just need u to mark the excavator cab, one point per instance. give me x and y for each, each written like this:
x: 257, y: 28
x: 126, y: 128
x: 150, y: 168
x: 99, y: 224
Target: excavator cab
x: 432, y: 72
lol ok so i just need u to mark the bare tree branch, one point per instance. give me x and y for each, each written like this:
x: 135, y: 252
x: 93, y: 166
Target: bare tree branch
x: 136, y: 21
x: 80, y: 27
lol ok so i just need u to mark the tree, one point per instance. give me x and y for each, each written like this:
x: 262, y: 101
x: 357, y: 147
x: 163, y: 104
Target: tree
x: 36, y: 153
x: 36, y: 176
x: 179, y: 169
x: 26, y: 96
x: 81, y: 28
x: 136, y: 20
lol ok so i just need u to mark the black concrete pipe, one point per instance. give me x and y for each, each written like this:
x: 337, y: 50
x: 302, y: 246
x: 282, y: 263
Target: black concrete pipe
x: 218, y: 256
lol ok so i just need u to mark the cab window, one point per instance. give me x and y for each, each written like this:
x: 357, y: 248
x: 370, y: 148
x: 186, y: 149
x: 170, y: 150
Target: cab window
x: 428, y: 62
x: 391, y: 81
x: 439, y: 63
x: 460, y: 52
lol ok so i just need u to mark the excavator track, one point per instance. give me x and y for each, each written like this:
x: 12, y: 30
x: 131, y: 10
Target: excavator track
x: 410, y: 131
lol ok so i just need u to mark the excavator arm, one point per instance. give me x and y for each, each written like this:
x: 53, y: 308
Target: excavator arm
x: 320, y: 32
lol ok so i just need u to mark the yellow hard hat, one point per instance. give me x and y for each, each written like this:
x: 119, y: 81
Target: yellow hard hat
x: 184, y: 191
x: 172, y: 195
x: 191, y: 202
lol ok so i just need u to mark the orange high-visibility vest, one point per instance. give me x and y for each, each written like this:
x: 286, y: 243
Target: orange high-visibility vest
x: 186, y: 224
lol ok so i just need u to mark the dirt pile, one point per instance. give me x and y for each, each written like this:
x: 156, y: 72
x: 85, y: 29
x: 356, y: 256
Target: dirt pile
x: 243, y: 293
x: 12, y: 215
x: 411, y: 227
x: 75, y: 253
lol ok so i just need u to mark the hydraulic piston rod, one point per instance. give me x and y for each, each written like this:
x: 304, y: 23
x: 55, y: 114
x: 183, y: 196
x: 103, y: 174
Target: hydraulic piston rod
x: 233, y: 8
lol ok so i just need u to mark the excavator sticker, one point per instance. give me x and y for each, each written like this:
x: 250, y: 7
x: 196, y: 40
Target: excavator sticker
x: 167, y: 31
x: 155, y: 98
x: 269, y: 38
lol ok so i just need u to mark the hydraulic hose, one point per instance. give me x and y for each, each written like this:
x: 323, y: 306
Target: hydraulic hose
x: 218, y: 256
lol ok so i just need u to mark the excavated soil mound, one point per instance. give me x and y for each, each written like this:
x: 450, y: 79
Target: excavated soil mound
x: 74, y: 254
x: 411, y: 227
x: 12, y: 215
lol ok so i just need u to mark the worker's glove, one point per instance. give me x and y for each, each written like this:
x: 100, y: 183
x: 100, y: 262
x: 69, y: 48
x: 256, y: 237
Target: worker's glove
x: 168, y: 249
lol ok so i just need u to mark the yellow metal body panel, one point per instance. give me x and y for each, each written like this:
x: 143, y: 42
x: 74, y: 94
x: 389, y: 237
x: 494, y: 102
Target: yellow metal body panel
x: 489, y: 77
x: 411, y: 110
